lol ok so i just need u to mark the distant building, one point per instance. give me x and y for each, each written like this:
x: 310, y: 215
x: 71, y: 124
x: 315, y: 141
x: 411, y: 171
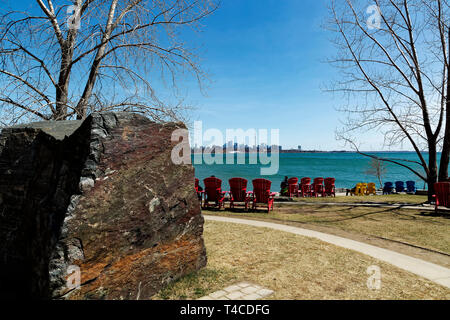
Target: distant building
x: 299, y: 148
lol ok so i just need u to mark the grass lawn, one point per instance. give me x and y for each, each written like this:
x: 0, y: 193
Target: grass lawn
x: 413, y: 227
x: 391, y: 199
x: 295, y: 267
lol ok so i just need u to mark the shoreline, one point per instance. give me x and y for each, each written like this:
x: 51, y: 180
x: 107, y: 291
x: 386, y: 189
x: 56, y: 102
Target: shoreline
x: 306, y: 151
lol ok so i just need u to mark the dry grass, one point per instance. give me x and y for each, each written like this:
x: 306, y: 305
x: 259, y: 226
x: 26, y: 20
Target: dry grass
x: 409, y: 226
x: 390, y: 199
x: 295, y: 267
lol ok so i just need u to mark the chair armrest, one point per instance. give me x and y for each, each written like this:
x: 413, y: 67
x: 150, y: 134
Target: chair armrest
x: 437, y: 200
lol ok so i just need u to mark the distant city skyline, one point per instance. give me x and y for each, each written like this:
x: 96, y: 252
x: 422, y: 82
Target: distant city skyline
x: 235, y: 145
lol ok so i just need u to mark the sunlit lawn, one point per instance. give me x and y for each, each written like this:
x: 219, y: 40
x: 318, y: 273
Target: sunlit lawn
x: 416, y: 227
x: 391, y: 199
x: 295, y: 267
x: 303, y: 268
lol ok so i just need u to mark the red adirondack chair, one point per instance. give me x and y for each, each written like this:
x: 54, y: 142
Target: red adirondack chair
x: 213, y: 193
x: 330, y: 188
x: 262, y: 194
x: 199, y: 193
x: 305, y: 187
x: 238, y: 192
x: 196, y: 184
x: 293, y: 187
x: 317, y: 187
x: 442, y: 194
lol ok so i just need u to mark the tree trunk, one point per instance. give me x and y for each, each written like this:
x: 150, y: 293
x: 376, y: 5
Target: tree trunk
x: 61, y: 100
x: 433, y: 170
x: 62, y: 90
x: 82, y: 105
x: 445, y: 156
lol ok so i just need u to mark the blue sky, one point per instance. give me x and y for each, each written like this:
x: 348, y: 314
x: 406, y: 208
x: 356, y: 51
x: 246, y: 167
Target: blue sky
x: 266, y: 62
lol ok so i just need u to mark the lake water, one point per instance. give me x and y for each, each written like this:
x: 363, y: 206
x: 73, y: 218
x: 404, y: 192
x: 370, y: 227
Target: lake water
x: 347, y: 168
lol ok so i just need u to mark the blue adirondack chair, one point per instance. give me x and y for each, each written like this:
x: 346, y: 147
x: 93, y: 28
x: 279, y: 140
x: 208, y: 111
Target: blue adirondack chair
x: 411, y: 186
x: 399, y: 186
x: 388, y: 188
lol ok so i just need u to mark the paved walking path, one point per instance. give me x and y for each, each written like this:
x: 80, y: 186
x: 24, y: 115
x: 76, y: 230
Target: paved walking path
x: 240, y: 291
x: 428, y: 270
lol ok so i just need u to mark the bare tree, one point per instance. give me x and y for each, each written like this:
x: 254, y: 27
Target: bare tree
x: 377, y: 168
x: 61, y: 60
x: 394, y: 63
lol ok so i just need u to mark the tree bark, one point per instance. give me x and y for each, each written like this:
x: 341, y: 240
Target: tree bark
x: 62, y: 90
x: 82, y: 105
x: 445, y: 156
x: 432, y: 176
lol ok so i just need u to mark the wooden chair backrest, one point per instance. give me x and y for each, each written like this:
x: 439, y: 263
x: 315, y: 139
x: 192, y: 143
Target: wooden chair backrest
x: 261, y: 190
x: 238, y: 189
x: 213, y: 187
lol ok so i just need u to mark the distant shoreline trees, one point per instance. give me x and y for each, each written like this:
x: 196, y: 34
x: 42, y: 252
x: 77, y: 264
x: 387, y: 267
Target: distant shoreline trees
x: 378, y: 169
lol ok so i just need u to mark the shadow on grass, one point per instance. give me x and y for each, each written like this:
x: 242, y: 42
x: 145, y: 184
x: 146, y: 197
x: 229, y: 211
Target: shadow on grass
x: 434, y: 214
x: 338, y: 210
x: 194, y: 285
x: 366, y: 214
x: 395, y: 210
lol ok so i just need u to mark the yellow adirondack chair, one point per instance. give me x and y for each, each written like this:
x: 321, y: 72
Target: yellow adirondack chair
x: 371, y: 189
x: 357, y: 191
x: 363, y: 189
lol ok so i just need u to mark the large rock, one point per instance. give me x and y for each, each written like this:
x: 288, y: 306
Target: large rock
x: 102, y: 195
